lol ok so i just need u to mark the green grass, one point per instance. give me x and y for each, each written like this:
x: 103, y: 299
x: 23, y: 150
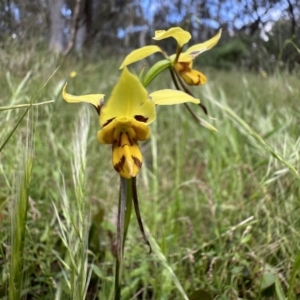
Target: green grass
x: 221, y: 209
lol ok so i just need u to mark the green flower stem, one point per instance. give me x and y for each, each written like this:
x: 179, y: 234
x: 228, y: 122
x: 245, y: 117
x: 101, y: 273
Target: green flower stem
x: 155, y: 70
x: 186, y: 90
x: 128, y: 207
x: 124, y: 213
x: 178, y: 51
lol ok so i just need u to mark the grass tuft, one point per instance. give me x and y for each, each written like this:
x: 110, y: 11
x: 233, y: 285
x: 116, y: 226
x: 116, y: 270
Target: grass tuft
x: 18, y: 215
x: 74, y: 220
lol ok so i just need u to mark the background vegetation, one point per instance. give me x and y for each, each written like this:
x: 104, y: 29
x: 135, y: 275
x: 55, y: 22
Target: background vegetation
x: 257, y: 34
x: 221, y: 209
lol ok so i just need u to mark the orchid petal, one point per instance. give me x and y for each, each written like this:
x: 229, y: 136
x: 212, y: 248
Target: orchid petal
x: 94, y: 99
x: 139, y: 54
x: 197, y: 49
x: 128, y: 99
x: 135, y: 130
x: 107, y: 133
x: 169, y: 97
x: 127, y: 158
x: 185, y: 57
x: 193, y: 77
x: 180, y: 35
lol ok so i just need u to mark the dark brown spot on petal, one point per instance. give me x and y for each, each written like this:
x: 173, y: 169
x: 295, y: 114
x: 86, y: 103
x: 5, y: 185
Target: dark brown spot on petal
x: 107, y: 122
x: 119, y: 166
x: 120, y: 139
x: 195, y: 53
x: 129, y: 139
x: 99, y: 106
x: 184, y: 67
x: 137, y: 162
x: 141, y: 118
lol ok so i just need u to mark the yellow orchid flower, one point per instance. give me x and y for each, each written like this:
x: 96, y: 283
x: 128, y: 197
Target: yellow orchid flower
x: 182, y: 62
x: 125, y: 117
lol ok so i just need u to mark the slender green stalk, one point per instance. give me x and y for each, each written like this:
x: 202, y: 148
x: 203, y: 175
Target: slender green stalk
x: 154, y: 181
x: 128, y: 193
x: 186, y: 90
x: 128, y: 207
x: 14, y: 129
x: 3, y: 108
x: 124, y: 213
x: 16, y: 90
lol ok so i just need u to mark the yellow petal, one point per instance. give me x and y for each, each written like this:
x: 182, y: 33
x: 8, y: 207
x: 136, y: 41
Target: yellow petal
x: 195, y: 50
x: 141, y: 130
x: 139, y: 54
x: 94, y: 99
x: 183, y: 66
x: 169, y: 97
x: 107, y: 133
x: 193, y: 77
x: 127, y: 160
x: 134, y: 129
x: 128, y: 99
x: 180, y: 35
x: 124, y: 133
x: 183, y: 57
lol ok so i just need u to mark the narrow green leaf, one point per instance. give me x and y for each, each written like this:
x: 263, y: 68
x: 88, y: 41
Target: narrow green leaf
x: 14, y: 129
x: 19, y: 219
x: 295, y: 270
x: 279, y: 291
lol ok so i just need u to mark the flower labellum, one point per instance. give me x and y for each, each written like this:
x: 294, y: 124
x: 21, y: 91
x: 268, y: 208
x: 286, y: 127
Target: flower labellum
x: 125, y: 118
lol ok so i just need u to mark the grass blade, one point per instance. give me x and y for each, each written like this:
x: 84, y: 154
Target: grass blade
x: 295, y: 270
x: 3, y: 108
x: 18, y: 228
x: 161, y: 257
x: 260, y: 141
x: 14, y: 129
